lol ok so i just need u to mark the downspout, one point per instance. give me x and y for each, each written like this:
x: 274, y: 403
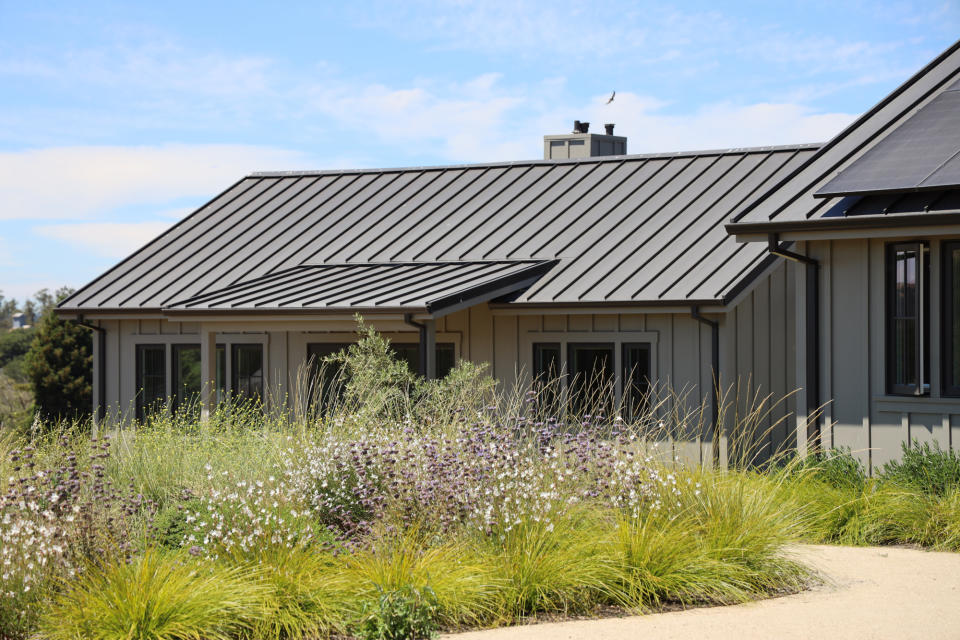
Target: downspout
x: 422, y: 346
x: 715, y: 366
x: 813, y: 333
x: 100, y: 411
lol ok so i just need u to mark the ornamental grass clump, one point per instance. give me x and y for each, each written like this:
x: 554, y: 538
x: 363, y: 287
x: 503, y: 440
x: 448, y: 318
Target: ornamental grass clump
x: 156, y: 596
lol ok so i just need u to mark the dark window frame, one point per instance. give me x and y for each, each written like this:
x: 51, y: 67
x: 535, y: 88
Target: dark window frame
x: 175, y: 382
x: 142, y: 404
x: 949, y: 387
x: 626, y: 379
x: 235, y: 373
x: 920, y: 386
x: 578, y: 404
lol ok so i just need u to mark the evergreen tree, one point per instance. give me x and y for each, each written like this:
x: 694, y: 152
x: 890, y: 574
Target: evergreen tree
x: 60, y: 368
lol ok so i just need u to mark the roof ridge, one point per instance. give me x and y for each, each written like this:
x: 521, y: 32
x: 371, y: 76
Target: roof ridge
x: 541, y: 162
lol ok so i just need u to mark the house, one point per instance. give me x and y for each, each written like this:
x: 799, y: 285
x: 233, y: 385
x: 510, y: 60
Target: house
x: 20, y: 321
x: 827, y: 269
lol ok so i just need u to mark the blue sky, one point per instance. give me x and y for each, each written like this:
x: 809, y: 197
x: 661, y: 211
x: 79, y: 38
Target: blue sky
x: 117, y: 119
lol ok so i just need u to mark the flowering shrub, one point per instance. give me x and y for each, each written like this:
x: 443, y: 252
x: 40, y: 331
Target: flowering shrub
x: 484, y: 477
x: 237, y: 517
x: 52, y: 519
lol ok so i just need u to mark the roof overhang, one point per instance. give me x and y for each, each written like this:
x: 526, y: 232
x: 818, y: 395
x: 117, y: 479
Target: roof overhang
x: 848, y: 227
x: 432, y: 289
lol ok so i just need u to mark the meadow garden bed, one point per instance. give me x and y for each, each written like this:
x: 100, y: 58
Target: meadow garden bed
x: 405, y: 507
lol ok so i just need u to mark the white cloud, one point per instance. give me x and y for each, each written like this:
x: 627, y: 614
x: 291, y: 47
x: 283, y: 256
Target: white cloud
x: 81, y: 182
x: 464, y: 119
x: 481, y: 121
x: 650, y: 127
x: 107, y: 239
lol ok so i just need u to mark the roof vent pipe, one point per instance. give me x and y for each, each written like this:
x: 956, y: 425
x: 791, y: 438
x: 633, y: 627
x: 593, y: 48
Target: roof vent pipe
x: 609, y: 128
x: 581, y: 127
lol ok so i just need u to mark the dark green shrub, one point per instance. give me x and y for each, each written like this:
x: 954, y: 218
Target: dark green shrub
x: 924, y: 468
x: 407, y: 613
x: 838, y: 468
x: 170, y: 523
x: 15, y: 344
x: 60, y: 368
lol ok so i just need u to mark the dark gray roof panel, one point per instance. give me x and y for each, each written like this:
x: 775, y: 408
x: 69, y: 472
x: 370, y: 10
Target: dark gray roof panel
x: 430, y: 286
x: 919, y: 154
x: 793, y: 200
x: 629, y: 229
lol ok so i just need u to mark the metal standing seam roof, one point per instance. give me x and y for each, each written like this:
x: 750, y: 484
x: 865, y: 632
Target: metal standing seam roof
x: 645, y: 229
x: 432, y: 286
x: 793, y: 198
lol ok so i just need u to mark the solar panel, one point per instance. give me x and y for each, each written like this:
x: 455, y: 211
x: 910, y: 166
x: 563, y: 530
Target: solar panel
x: 922, y: 153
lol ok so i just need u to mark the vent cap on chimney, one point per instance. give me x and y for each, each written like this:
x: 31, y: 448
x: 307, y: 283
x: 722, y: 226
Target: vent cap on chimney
x: 583, y: 144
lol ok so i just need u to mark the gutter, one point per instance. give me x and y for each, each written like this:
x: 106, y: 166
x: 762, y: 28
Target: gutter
x: 100, y: 409
x: 715, y: 366
x: 422, y: 344
x: 869, y: 221
x: 812, y: 356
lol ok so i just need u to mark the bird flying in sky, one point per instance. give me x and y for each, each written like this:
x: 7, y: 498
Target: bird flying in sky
x: 612, y: 96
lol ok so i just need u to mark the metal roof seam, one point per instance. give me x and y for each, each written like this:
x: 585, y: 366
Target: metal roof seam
x: 632, y: 172
x: 453, y: 212
x: 374, y: 237
x: 227, y: 255
x: 292, y: 252
x: 487, y: 271
x: 680, y: 211
x: 416, y: 192
x: 280, y: 275
x: 510, y: 253
x: 573, y: 205
x: 194, y: 240
x: 377, y: 237
x: 553, y: 275
x: 650, y: 217
x: 622, y: 200
x: 464, y: 219
x: 704, y: 213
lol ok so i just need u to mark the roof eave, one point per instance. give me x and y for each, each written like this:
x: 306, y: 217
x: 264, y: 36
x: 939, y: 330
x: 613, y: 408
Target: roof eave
x: 740, y: 229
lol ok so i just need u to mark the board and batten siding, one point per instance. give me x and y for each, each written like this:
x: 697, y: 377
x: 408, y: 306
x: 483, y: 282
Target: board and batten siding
x: 756, y: 349
x: 858, y: 413
x: 758, y: 361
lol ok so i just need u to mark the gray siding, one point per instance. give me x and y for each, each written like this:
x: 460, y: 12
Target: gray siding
x: 758, y: 359
x: 858, y: 412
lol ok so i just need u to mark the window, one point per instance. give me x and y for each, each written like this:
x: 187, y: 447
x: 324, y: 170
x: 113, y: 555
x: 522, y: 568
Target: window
x: 635, y: 359
x: 546, y: 373
x: 950, y: 305
x: 187, y: 374
x: 247, y: 365
x: 908, y: 305
x: 591, y: 370
x: 151, y: 378
x: 546, y: 361
x: 409, y: 352
x: 316, y: 352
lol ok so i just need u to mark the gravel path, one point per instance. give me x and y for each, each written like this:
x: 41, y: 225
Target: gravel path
x: 870, y: 592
